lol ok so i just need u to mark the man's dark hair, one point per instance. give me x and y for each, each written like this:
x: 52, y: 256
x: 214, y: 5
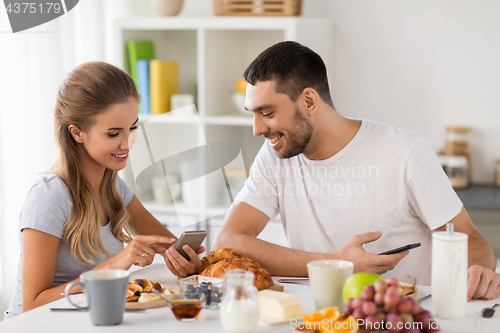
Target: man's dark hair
x: 294, y: 67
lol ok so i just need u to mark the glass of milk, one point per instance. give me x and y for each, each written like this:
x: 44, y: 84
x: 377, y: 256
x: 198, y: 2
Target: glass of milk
x: 240, y: 308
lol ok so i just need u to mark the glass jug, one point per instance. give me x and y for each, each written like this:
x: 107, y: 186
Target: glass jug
x: 240, y: 307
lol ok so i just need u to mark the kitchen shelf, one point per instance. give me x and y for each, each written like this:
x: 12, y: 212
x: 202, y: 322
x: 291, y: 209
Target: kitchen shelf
x: 167, y: 119
x: 212, y: 53
x: 231, y: 120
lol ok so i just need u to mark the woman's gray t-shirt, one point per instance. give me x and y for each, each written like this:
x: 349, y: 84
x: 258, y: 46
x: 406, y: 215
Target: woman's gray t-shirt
x: 47, y: 208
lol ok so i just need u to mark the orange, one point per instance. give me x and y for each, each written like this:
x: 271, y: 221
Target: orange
x: 331, y: 314
x: 241, y: 85
x: 348, y: 325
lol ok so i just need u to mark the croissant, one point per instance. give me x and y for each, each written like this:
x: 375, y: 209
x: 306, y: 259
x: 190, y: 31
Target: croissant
x: 216, y: 256
x: 217, y: 262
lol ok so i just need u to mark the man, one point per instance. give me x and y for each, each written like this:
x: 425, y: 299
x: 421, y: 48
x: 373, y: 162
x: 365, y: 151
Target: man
x: 345, y: 188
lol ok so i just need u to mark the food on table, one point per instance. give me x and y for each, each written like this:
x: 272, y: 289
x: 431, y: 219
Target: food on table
x: 148, y: 297
x: 186, y: 306
x: 239, y: 315
x: 152, y: 297
x: 330, y: 320
x: 217, y: 262
x: 381, y: 307
x: 143, y: 285
x: 186, y: 309
x: 330, y: 314
x: 133, y: 296
x: 139, y: 290
x: 212, y: 288
x: 354, y: 285
x: 213, y: 295
x: 278, y: 304
x: 347, y: 325
x: 406, y: 289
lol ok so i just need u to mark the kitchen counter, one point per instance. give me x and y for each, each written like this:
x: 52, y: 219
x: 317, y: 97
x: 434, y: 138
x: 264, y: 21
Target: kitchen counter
x: 480, y: 197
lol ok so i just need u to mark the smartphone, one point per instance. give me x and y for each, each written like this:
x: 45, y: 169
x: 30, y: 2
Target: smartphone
x: 191, y: 238
x: 402, y: 248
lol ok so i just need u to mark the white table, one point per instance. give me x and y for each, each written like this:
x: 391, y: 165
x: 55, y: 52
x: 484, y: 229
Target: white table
x: 162, y: 319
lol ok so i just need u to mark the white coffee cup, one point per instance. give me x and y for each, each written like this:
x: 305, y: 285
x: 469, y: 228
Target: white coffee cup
x: 106, y: 293
x: 449, y: 273
x: 327, y: 278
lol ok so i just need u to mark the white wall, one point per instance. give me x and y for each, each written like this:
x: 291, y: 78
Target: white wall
x: 420, y: 65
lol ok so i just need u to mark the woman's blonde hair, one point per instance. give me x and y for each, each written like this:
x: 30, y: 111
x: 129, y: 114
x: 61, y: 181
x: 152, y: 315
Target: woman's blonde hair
x: 86, y: 93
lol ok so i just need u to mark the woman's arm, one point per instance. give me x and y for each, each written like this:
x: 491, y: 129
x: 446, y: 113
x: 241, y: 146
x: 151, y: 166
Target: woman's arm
x: 40, y: 257
x: 39, y: 267
x: 144, y: 223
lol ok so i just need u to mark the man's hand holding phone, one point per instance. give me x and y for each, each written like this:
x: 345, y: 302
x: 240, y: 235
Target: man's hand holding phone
x: 401, y: 249
x: 364, y: 261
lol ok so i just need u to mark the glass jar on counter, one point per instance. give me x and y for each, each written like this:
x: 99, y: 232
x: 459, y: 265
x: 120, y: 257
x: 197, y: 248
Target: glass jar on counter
x: 457, y: 170
x: 456, y: 141
x: 240, y: 307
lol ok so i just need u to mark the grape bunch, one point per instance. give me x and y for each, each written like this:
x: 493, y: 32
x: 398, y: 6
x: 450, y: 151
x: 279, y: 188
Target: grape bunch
x: 212, y: 293
x: 381, y: 309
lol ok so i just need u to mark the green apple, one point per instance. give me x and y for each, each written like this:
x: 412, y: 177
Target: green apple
x: 354, y: 285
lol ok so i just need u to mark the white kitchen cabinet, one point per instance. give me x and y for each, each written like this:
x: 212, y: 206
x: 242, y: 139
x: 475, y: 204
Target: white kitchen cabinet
x: 212, y: 52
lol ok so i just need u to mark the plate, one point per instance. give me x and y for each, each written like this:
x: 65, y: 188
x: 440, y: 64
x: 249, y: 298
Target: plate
x: 154, y: 304
x: 147, y: 305
x: 202, y: 278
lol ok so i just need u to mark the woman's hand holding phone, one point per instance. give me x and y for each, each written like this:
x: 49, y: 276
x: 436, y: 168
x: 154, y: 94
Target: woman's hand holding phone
x: 181, y: 258
x: 139, y: 252
x: 178, y: 265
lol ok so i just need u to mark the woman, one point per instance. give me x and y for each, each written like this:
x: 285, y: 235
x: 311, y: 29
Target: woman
x: 77, y: 217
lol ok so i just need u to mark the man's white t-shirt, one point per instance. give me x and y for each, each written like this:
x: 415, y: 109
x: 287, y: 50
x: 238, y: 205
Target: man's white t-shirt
x: 385, y: 179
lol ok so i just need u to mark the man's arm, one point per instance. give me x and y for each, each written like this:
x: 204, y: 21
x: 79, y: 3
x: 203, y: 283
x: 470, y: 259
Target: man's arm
x: 482, y: 282
x: 244, y: 223
x: 241, y: 227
